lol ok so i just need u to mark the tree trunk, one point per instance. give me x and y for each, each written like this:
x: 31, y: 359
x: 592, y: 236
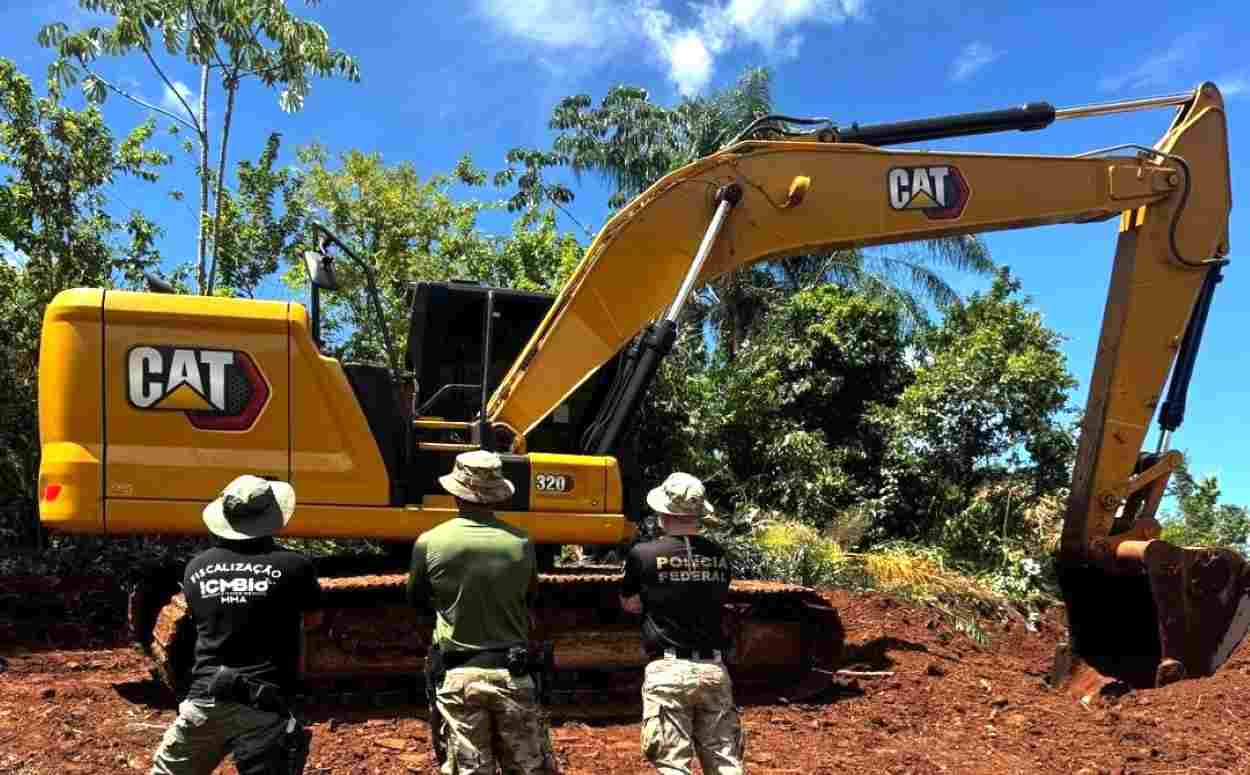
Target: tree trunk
x: 232, y: 88
x: 200, y: 246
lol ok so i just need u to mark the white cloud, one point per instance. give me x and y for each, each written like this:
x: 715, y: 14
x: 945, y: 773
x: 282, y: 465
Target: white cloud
x: 558, y: 23
x: 1234, y: 84
x: 687, y: 47
x: 1159, y: 70
x: 771, y: 25
x: 974, y: 57
x: 689, y: 55
x: 169, y: 100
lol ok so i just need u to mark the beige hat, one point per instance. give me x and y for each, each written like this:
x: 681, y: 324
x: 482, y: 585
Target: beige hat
x: 478, y: 477
x: 680, y: 495
x: 250, y: 507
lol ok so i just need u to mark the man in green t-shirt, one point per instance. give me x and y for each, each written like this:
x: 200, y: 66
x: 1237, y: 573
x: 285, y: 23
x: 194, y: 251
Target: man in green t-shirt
x: 479, y: 575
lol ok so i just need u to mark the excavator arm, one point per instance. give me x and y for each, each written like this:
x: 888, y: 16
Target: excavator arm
x: 767, y: 199
x: 809, y: 197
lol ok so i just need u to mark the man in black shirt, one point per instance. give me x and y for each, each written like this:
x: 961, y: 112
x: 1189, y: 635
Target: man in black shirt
x: 249, y: 600
x: 679, y: 583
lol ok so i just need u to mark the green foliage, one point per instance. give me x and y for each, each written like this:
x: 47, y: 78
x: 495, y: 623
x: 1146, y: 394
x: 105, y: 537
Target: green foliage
x: 262, y: 224
x: 799, y: 553
x: 840, y: 423
x: 1199, y: 518
x: 56, y: 233
x: 633, y: 142
x: 237, y: 40
x: 413, y: 229
x: 784, y: 427
x: 793, y: 421
x: 230, y: 36
x: 987, y: 401
x: 125, y: 558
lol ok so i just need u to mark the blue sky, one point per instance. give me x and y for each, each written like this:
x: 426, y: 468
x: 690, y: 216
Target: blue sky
x: 481, y: 76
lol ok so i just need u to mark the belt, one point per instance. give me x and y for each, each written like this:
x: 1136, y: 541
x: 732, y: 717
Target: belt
x: 491, y: 660
x: 707, y: 655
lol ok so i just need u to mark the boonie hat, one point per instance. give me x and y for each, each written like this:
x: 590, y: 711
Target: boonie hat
x: 478, y: 477
x: 250, y: 507
x: 680, y: 495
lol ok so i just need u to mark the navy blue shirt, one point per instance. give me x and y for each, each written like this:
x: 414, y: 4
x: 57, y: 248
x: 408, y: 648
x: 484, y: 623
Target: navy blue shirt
x: 683, y: 582
x: 247, y: 600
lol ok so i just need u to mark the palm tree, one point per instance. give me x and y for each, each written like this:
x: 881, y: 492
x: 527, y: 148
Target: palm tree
x: 632, y: 142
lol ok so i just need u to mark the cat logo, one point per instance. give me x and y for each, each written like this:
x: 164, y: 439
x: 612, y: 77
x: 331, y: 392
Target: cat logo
x: 219, y: 390
x: 939, y: 192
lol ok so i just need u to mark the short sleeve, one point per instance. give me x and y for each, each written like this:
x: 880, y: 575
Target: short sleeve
x: 631, y: 584
x: 419, y: 591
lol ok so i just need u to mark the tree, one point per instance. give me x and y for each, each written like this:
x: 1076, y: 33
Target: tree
x: 57, y: 233
x: 263, y: 226
x: 631, y: 142
x: 786, y: 426
x: 799, y: 397
x: 234, y: 41
x: 983, y: 433
x: 414, y: 229
x: 1199, y: 518
x: 993, y: 381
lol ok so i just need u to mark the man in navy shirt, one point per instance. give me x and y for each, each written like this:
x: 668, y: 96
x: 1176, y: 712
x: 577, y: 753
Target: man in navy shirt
x: 249, y: 600
x: 679, y: 583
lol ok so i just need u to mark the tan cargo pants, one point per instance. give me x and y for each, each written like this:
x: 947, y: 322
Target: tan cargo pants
x: 688, y: 707
x: 206, y: 730
x: 488, y: 715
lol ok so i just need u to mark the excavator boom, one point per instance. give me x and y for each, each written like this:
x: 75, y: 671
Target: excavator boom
x: 810, y: 197
x: 1141, y: 610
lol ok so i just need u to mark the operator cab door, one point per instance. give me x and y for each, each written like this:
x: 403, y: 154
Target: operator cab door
x: 446, y: 355
x: 196, y: 393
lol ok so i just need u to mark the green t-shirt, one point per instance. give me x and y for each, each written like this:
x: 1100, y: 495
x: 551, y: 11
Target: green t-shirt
x: 476, y: 574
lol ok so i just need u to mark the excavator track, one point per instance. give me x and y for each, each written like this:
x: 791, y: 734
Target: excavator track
x: 371, y: 646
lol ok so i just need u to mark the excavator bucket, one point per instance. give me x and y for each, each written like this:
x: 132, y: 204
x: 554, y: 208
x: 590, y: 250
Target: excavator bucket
x: 1158, y: 614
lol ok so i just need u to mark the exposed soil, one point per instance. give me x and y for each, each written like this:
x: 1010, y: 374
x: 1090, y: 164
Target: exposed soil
x: 74, y: 698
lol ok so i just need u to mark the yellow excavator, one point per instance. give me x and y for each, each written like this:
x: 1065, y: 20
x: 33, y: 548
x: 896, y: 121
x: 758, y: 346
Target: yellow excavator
x: 150, y: 402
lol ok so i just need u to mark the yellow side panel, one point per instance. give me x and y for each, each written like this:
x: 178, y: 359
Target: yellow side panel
x: 334, y: 456
x: 70, y: 417
x: 154, y: 451
x: 382, y: 523
x: 568, y: 482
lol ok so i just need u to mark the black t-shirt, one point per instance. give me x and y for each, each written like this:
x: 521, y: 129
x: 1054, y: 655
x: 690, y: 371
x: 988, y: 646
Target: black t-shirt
x: 683, y: 581
x: 246, y: 601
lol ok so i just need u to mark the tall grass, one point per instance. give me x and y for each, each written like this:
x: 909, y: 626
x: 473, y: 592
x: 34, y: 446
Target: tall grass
x: 791, y: 551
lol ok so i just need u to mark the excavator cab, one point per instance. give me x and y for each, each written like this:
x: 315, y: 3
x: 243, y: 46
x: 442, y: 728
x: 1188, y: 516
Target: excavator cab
x: 462, y: 339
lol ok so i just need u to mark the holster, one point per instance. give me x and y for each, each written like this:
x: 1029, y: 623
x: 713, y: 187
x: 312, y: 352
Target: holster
x: 231, y: 685
x: 288, y: 754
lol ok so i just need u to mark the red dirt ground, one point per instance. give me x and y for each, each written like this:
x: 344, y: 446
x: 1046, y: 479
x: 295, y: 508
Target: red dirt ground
x: 75, y: 699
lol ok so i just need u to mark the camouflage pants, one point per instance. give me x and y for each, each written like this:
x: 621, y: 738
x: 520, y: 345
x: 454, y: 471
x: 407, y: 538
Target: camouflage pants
x: 491, y: 714
x: 688, y: 707
x: 206, y: 730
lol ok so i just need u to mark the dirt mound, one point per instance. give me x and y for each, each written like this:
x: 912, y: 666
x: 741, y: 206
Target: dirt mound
x: 61, y: 612
x: 942, y: 704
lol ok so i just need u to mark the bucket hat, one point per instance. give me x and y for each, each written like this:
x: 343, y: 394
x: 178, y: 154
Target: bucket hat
x: 250, y: 507
x: 680, y: 495
x: 477, y: 476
